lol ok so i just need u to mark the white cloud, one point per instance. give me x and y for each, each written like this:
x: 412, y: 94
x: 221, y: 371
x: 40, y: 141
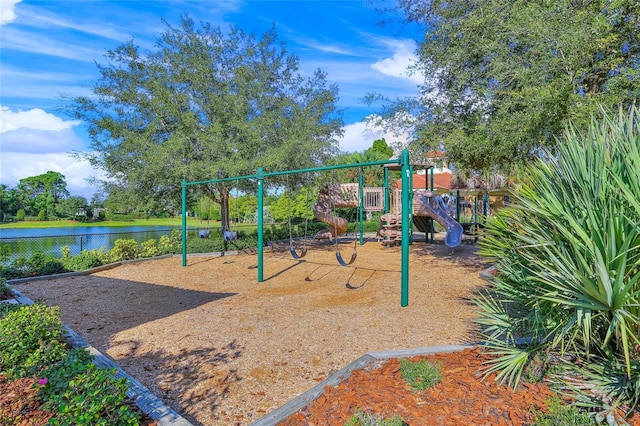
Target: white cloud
x: 25, y: 41
x: 398, y: 65
x: 33, y: 142
x: 19, y: 165
x: 360, y: 136
x: 7, y: 11
x: 34, y: 119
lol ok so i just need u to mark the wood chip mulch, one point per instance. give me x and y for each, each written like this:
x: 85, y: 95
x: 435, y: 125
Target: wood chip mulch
x: 461, y: 398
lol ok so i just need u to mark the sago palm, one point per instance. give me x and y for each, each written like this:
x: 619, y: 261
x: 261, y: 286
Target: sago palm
x: 568, y: 252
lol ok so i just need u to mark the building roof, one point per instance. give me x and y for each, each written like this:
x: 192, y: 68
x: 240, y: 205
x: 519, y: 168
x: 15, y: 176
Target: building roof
x: 440, y: 181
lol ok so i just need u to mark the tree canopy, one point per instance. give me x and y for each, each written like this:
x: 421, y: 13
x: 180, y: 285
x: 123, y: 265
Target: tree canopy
x: 504, y: 77
x: 205, y: 105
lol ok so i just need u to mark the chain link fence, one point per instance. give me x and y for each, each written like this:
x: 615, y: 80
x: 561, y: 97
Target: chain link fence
x: 24, y: 247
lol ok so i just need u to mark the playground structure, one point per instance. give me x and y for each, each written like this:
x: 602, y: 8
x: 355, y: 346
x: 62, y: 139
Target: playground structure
x: 406, y: 204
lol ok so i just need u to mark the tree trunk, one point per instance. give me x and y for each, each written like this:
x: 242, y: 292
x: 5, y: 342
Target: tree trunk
x: 222, y: 198
x: 224, y: 210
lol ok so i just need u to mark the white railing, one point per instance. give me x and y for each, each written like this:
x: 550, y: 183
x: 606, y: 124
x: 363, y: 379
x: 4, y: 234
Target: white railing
x: 373, y: 199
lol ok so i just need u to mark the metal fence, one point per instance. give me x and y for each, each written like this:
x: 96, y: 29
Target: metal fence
x: 17, y: 247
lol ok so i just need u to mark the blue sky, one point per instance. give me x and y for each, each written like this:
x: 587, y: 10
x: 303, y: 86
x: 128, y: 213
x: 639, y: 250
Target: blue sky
x: 49, y: 49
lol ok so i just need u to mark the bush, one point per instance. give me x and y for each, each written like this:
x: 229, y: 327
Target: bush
x: 5, y: 289
x: 360, y: 418
x: 42, y: 215
x: 52, y: 267
x: 21, y: 214
x: 71, y: 386
x: 124, y: 250
x: 559, y: 414
x: 568, y: 253
x: 149, y: 248
x: 82, y: 394
x: 421, y: 374
x: 171, y: 244
x: 30, y: 340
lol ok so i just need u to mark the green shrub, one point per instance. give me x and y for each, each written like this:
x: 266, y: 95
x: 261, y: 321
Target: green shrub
x: 42, y: 215
x: 149, y: 248
x: 36, y: 261
x: 568, y: 253
x: 21, y: 214
x: 170, y: 244
x: 5, y: 289
x: 11, y: 272
x: 82, y: 394
x: 124, y: 250
x: 421, y: 374
x: 52, y: 267
x: 87, y: 259
x: 559, y: 414
x: 360, y: 418
x: 30, y: 340
x: 5, y: 252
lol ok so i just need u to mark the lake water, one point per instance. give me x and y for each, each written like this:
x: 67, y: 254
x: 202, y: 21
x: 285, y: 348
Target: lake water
x: 24, y: 242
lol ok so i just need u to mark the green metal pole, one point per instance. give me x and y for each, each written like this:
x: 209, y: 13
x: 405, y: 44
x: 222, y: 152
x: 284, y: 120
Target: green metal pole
x: 360, y: 194
x: 386, y: 190
x: 406, y: 170
x: 432, y: 178
x: 184, y: 222
x: 485, y: 202
x: 411, y: 204
x: 458, y: 205
x: 260, y: 176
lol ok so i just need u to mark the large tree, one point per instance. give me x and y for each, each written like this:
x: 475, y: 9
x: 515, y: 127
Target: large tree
x: 42, y: 192
x: 504, y: 76
x: 205, y: 105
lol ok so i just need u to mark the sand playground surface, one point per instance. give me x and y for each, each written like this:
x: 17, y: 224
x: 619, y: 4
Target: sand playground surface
x: 222, y: 349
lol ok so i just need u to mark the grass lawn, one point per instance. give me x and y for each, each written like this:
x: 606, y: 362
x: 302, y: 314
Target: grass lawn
x: 191, y: 223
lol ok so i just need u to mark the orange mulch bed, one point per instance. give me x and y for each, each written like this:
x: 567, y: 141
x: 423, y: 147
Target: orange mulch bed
x: 19, y: 403
x: 461, y: 398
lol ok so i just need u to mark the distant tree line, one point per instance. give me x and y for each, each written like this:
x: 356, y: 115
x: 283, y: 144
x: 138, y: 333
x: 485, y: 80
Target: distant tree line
x: 45, y: 197
x: 42, y: 197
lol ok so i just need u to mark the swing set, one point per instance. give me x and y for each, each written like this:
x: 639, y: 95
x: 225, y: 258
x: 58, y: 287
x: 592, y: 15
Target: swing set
x: 259, y: 177
x: 300, y: 253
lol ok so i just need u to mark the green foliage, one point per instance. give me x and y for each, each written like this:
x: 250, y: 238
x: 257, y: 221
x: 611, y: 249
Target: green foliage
x: 561, y: 414
x: 205, y: 104
x: 52, y: 267
x: 361, y: 418
x: 42, y: 215
x: 83, y: 394
x: 5, y: 289
x: 568, y: 252
x: 21, y: 214
x: 30, y: 340
x: 124, y: 250
x: 37, y: 260
x: 87, y: 259
x: 31, y: 344
x: 170, y: 244
x: 502, y: 78
x: 421, y: 374
x: 5, y: 252
x: 149, y: 248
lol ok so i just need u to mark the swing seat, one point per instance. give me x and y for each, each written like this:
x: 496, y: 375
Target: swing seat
x: 230, y: 235
x: 204, y: 233
x: 341, y: 260
x: 295, y: 254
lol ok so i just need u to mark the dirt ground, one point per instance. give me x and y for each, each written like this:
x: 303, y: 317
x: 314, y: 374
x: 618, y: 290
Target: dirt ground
x: 221, y: 348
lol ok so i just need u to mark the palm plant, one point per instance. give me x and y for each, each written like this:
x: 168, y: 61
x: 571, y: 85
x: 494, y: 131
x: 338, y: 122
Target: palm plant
x: 568, y: 252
